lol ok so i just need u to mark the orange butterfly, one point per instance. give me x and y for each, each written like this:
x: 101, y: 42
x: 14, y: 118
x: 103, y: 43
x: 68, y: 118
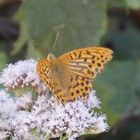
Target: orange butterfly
x: 70, y: 76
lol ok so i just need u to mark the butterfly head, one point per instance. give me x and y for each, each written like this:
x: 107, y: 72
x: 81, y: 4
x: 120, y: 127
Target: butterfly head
x: 51, y: 57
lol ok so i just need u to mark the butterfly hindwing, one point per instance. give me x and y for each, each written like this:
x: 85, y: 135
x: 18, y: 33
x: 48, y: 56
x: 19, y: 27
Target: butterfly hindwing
x: 79, y: 87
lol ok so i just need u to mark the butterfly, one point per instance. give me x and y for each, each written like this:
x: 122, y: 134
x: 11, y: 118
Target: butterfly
x: 70, y: 76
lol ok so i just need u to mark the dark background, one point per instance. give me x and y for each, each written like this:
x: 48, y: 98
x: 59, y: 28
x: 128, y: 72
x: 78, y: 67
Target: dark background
x: 28, y: 29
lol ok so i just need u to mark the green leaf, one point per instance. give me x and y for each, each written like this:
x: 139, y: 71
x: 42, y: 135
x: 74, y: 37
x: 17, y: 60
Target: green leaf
x: 117, y: 3
x: 122, y: 34
x: 117, y: 86
x: 3, y: 57
x: 22, y: 40
x: 79, y: 22
x: 135, y: 4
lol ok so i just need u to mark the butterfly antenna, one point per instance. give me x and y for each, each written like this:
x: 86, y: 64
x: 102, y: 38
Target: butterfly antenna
x: 55, y: 40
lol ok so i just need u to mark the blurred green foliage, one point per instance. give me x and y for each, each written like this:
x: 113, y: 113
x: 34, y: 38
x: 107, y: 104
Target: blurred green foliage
x: 73, y: 20
x: 119, y: 88
x: 112, y: 23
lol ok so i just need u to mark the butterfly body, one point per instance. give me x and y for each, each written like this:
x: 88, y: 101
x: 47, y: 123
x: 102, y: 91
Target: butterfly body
x: 70, y: 76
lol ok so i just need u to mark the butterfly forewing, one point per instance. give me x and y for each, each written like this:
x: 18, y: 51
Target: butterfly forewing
x: 87, y: 62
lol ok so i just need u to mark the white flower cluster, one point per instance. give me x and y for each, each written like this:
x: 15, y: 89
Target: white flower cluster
x: 43, y: 117
x: 20, y: 75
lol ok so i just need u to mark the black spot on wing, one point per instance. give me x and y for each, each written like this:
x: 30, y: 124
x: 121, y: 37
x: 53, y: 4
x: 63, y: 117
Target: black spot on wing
x: 79, y: 55
x: 77, y: 91
x: 88, y: 52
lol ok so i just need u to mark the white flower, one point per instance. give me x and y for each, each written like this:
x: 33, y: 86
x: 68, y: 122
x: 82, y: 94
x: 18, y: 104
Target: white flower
x: 4, y: 131
x: 22, y: 74
x: 43, y: 117
x: 7, y: 104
